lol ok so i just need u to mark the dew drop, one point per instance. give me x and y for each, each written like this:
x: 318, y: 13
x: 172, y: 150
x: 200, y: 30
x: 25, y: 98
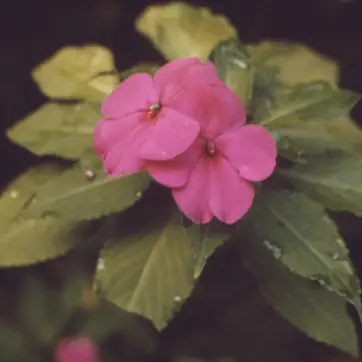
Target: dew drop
x: 177, y: 299
x: 300, y: 154
x: 14, y: 194
x: 335, y: 256
x: 274, y: 249
x: 138, y: 194
x: 240, y: 63
x: 101, y: 264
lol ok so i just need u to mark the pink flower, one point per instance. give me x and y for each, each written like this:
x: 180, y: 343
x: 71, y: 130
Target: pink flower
x: 214, y: 176
x: 152, y: 118
x: 75, y: 350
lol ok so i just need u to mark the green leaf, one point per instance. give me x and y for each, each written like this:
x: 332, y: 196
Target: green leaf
x: 77, y: 72
x: 22, y: 190
x: 148, y: 262
x: 32, y: 241
x: 234, y: 65
x: 72, y: 196
x: 60, y: 129
x: 320, y: 314
x: 304, y: 103
x: 322, y: 177
x: 299, y: 233
x: 317, y: 137
x: 293, y: 63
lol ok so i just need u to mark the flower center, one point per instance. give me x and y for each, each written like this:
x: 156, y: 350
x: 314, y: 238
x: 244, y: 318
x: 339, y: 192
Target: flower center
x: 153, y: 111
x: 210, y: 148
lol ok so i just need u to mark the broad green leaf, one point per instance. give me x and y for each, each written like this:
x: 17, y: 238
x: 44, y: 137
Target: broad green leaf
x: 26, y: 242
x: 315, y: 101
x: 181, y: 30
x: 316, y: 137
x: 234, y: 65
x: 332, y: 177
x: 64, y: 130
x: 32, y: 241
x: 72, y: 196
x: 147, y: 263
x: 299, y: 233
x: 22, y: 190
x: 77, y: 72
x: 294, y: 63
x: 319, y: 313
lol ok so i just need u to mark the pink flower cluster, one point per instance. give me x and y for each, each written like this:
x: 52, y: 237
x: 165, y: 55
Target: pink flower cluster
x: 187, y: 129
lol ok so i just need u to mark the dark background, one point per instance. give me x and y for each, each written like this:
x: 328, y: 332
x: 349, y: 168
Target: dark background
x: 31, y: 31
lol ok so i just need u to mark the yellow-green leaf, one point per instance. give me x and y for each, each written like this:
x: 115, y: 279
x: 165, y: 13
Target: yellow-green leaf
x: 22, y: 190
x: 181, y: 30
x: 64, y: 130
x: 73, y: 196
x: 148, y: 263
x: 24, y: 242
x: 78, y: 72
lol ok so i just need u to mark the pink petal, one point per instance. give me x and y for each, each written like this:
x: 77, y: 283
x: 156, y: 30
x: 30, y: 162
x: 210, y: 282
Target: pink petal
x: 173, y: 79
x: 75, y: 350
x: 230, y: 195
x: 214, y: 106
x: 176, y: 172
x: 171, y: 135
x: 134, y: 94
x: 124, y: 157
x: 251, y: 149
x: 109, y: 132
x: 193, y: 199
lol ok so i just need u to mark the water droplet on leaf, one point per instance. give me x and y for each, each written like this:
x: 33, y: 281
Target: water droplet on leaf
x: 274, y: 249
x: 14, y: 194
x: 101, y: 264
x: 138, y: 194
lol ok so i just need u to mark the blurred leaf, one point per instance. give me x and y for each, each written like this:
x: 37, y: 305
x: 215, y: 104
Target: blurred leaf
x: 22, y: 190
x: 148, y: 263
x: 300, y: 235
x: 135, y: 335
x: 32, y: 241
x: 321, y: 314
x: 332, y: 177
x: 10, y: 341
x: 293, y: 63
x: 72, y: 196
x: 38, y: 303
x: 316, y: 101
x: 180, y: 30
x: 234, y: 65
x: 60, y: 129
x: 77, y: 72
